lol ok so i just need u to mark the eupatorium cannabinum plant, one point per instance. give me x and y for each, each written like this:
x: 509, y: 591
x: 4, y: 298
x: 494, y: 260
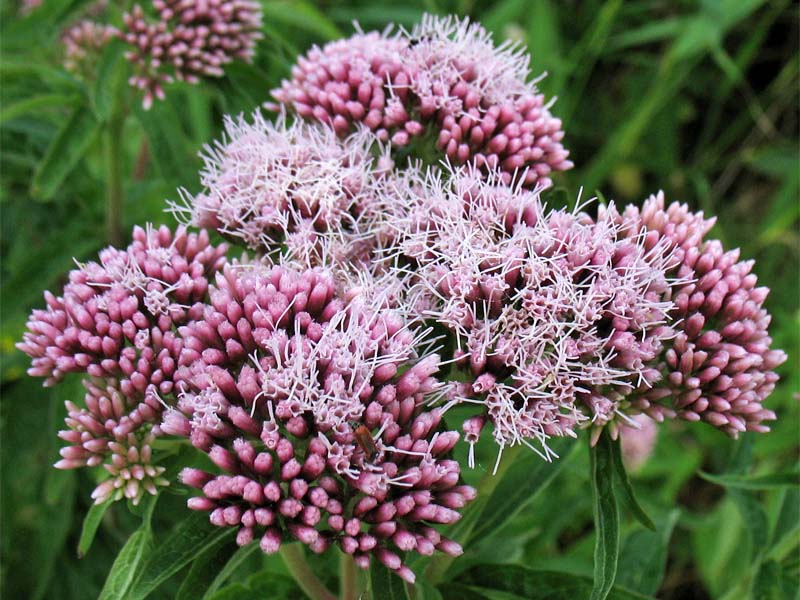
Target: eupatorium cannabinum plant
x: 406, y: 280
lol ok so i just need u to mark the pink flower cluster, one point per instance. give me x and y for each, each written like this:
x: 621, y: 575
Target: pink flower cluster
x: 282, y: 374
x: 189, y: 40
x: 83, y: 43
x: 299, y: 186
x: 448, y: 76
x: 556, y: 315
x: 115, y: 322
x: 719, y: 367
x: 305, y: 374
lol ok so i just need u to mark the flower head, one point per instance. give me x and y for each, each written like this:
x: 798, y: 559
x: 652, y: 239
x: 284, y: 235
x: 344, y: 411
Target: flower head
x: 110, y: 416
x: 314, y: 411
x: 83, y: 43
x: 719, y: 367
x: 189, y: 40
x: 447, y: 75
x: 363, y: 79
x: 556, y: 315
x: 115, y: 322
x: 298, y: 185
x: 487, y: 109
x: 115, y: 317
x: 131, y: 472
x: 450, y: 51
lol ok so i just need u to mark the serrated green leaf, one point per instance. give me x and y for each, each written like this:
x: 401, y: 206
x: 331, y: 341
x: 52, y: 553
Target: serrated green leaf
x: 624, y: 488
x: 91, y: 522
x: 190, y: 536
x: 789, y: 479
x: 65, y: 152
x: 514, y: 582
x: 385, y: 585
x: 606, y: 517
x: 527, y: 476
x: 127, y: 564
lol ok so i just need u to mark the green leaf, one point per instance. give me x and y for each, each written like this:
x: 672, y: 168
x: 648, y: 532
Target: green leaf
x: 264, y: 584
x: 651, y: 31
x: 90, y: 524
x: 753, y: 516
x: 425, y: 590
x: 205, y: 569
x: 515, y: 582
x: 456, y: 591
x: 503, y: 12
x: 241, y: 555
x: 110, y: 76
x: 145, y: 508
x: 643, y: 559
x: 625, y: 489
x: 786, y: 532
x: 606, y: 517
x: 242, y: 87
x: 789, y: 479
x: 303, y: 15
x: 527, y: 476
x: 54, y: 78
x: 190, y: 536
x: 173, y: 155
x: 35, y: 103
x: 767, y: 584
x: 127, y: 564
x: 385, y: 585
x: 65, y: 152
x: 376, y: 15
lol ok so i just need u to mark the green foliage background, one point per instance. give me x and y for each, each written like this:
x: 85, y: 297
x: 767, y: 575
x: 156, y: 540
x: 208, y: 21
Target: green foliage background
x: 698, y: 98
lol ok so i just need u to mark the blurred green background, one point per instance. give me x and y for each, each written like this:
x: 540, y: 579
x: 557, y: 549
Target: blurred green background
x: 698, y: 98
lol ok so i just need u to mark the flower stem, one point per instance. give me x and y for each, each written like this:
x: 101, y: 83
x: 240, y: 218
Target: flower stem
x: 112, y: 142
x: 441, y: 562
x: 140, y: 166
x: 347, y: 578
x: 295, y: 560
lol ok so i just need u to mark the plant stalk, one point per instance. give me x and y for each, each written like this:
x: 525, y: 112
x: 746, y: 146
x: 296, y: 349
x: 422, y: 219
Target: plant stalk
x: 302, y: 573
x: 112, y: 141
x: 347, y: 578
x: 142, y: 158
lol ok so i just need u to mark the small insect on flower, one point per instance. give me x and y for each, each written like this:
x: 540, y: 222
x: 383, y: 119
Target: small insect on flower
x: 366, y: 442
